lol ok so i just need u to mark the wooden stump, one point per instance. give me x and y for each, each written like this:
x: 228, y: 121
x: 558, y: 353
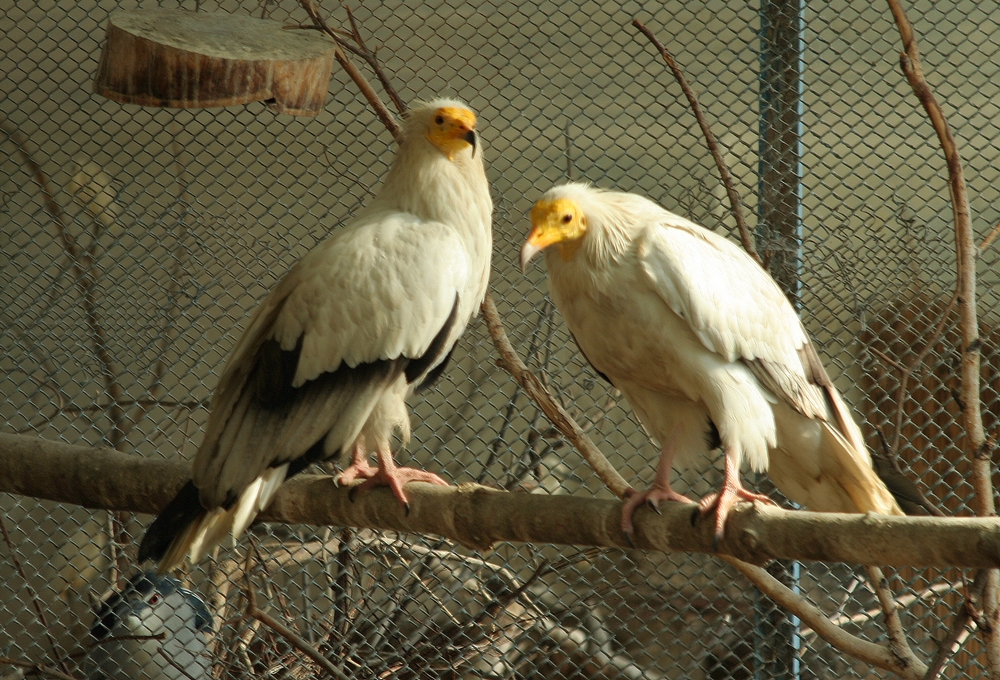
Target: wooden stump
x: 181, y: 59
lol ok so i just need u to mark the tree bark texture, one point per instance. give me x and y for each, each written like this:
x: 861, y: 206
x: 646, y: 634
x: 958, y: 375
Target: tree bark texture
x: 181, y: 59
x: 478, y: 517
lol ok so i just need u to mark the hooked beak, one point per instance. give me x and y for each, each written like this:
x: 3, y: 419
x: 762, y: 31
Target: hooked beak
x: 470, y: 137
x: 528, y: 252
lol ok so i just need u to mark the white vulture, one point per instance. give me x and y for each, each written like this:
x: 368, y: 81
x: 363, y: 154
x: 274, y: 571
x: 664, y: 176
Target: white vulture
x: 331, y: 354
x: 706, y: 349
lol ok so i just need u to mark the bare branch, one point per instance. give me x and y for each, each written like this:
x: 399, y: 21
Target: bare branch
x: 988, y: 240
x: 966, y: 253
x: 898, y: 644
x: 964, y: 623
x: 534, y: 388
x: 869, y: 652
x: 35, y: 601
x: 80, y: 267
x: 295, y: 640
x: 372, y: 59
x: 312, y: 9
x: 734, y: 198
x: 180, y: 669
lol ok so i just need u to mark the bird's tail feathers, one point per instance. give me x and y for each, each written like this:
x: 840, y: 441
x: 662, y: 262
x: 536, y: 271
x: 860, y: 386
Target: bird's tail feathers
x: 852, y: 470
x: 210, y: 528
x: 818, y: 466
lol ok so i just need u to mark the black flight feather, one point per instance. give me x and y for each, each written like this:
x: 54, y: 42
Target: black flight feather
x: 172, y: 520
x: 417, y: 366
x: 270, y: 387
x: 584, y: 354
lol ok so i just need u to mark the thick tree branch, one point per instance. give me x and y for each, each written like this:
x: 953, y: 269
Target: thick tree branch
x: 478, y: 517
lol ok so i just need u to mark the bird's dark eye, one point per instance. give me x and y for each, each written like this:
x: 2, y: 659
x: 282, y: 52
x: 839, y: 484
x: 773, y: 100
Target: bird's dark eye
x: 439, y: 120
x: 566, y: 219
x: 154, y: 600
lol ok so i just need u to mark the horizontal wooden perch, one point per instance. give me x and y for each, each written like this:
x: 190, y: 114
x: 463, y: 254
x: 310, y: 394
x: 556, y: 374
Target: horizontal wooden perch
x: 181, y: 59
x: 478, y: 517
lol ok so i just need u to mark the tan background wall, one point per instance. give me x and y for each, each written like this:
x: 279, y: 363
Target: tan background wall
x: 209, y: 208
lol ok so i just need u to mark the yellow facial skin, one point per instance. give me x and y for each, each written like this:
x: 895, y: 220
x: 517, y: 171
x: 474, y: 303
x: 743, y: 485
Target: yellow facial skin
x: 452, y: 129
x: 558, y: 221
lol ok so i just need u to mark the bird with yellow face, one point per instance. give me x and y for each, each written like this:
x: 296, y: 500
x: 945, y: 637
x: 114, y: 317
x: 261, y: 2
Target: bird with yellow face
x: 705, y: 347
x: 329, y: 358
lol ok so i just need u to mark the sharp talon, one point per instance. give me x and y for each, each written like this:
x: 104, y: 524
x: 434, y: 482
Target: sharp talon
x: 715, y: 542
x: 695, y: 514
x: 628, y: 537
x: 406, y: 508
x: 654, y: 507
x: 352, y: 493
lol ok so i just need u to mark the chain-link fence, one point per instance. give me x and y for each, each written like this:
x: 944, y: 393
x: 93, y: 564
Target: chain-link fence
x: 137, y: 240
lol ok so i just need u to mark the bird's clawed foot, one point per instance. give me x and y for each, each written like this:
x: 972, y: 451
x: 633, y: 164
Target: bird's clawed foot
x: 651, y: 497
x: 391, y: 476
x: 723, y: 501
x: 359, y: 469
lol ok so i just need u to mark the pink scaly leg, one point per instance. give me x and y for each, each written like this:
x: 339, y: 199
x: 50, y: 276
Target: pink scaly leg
x: 727, y: 496
x: 359, y: 467
x: 395, y: 477
x: 659, y: 491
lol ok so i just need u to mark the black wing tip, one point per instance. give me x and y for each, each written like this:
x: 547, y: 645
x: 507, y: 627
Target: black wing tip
x: 172, y: 520
x: 417, y: 367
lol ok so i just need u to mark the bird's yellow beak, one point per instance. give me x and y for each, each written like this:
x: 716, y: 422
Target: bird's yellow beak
x: 452, y: 129
x: 554, y: 221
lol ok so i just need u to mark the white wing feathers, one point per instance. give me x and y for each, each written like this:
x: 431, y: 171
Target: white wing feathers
x: 750, y: 321
x: 410, y: 274
x: 742, y: 315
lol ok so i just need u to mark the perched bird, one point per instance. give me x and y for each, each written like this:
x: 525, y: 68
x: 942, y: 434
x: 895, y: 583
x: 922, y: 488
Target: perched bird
x: 705, y: 347
x: 331, y: 354
x: 153, y: 629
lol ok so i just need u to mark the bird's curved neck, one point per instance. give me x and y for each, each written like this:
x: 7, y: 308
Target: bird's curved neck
x: 608, y: 238
x: 425, y: 183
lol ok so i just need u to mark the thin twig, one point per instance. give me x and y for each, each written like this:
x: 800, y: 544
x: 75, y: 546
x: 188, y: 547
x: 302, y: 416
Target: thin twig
x: 372, y: 59
x: 297, y: 642
x: 162, y: 652
x: 312, y: 9
x: 36, y: 602
x: 534, y: 388
x: 886, y: 358
x: 543, y: 314
x: 85, y: 285
x: 966, y: 253
x: 898, y: 644
x: 37, y: 668
x: 990, y: 237
x: 734, y: 198
x: 964, y: 622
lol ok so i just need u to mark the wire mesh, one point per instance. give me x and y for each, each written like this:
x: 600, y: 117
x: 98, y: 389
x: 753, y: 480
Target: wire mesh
x: 138, y: 240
